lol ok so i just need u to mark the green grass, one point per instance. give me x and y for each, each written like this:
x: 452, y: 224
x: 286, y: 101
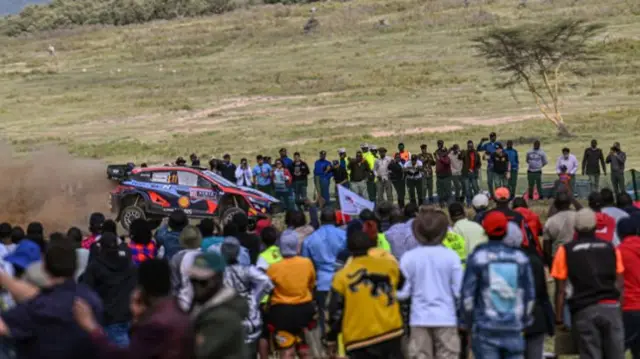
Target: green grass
x: 250, y: 82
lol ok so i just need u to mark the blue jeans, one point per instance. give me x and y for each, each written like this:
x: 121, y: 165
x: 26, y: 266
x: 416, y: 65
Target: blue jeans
x: 324, y: 189
x: 118, y: 334
x: 471, y: 187
x: 497, y: 347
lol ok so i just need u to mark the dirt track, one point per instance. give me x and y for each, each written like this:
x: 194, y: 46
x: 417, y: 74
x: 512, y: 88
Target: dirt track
x: 52, y: 187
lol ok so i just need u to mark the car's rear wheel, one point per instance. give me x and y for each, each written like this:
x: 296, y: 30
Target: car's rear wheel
x: 130, y: 214
x: 228, y: 214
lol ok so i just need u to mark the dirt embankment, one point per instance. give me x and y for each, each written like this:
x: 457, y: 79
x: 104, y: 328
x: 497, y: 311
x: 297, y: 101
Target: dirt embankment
x: 50, y: 186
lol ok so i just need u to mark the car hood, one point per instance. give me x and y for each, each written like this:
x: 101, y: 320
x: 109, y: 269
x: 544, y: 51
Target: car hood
x: 255, y: 192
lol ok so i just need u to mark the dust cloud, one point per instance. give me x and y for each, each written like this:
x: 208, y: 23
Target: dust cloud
x: 51, y: 186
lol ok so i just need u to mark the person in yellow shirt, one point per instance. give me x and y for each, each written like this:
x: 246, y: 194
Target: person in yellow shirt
x: 370, y: 157
x: 292, y: 310
x: 363, y: 305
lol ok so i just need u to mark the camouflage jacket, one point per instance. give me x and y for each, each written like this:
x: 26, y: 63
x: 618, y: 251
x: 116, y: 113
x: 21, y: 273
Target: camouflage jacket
x: 428, y: 162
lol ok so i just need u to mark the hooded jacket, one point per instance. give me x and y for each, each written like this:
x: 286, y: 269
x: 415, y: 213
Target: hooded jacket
x: 630, y: 253
x: 226, y: 309
x: 170, y: 240
x: 112, y: 275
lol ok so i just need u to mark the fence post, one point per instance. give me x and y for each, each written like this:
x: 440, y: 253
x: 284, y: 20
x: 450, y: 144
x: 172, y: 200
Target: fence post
x: 635, y: 185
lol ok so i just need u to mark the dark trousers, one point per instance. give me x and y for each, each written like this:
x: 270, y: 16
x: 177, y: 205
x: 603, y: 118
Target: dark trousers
x: 321, y: 304
x: 631, y: 321
x: 443, y: 183
x: 600, y: 331
x: 371, y: 190
x: 401, y: 189
x: 427, y: 188
x: 471, y: 186
x: 535, y: 180
x: 390, y: 349
x: 458, y: 187
x: 414, y: 187
x: 513, y: 183
x: 617, y: 182
x: 300, y: 191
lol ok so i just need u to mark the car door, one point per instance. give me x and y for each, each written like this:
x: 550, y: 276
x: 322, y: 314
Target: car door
x: 162, y: 193
x: 201, y: 195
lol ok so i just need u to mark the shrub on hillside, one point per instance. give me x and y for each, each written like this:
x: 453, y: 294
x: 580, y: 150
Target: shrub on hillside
x: 69, y: 13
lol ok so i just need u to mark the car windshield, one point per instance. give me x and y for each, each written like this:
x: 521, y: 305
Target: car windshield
x: 221, y: 180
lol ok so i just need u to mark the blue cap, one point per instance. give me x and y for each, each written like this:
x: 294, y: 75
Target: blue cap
x: 27, y: 253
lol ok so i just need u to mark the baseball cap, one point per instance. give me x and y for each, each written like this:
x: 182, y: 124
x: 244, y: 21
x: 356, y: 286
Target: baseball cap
x: 230, y: 248
x: 585, y: 220
x: 289, y: 244
x: 456, y: 210
x: 423, y: 146
x: 364, y: 145
x: 374, y: 147
x: 382, y: 149
x: 25, y: 254
x: 206, y: 265
x: 261, y: 225
x: 342, y: 150
x: 495, y: 224
x: 502, y: 194
x: 499, y: 145
x: 323, y: 152
x: 480, y: 201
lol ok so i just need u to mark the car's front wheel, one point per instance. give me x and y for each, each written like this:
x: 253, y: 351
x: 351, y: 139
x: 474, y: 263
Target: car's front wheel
x: 130, y: 214
x: 228, y: 214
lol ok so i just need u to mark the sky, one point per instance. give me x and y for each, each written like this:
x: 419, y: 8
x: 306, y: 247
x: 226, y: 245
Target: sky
x: 8, y: 7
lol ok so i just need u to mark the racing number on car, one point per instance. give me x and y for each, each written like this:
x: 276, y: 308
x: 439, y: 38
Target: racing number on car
x: 206, y: 194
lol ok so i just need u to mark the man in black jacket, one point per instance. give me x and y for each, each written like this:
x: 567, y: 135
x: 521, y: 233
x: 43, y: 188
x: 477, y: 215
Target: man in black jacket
x: 228, y: 169
x: 592, y: 160
x: 396, y: 175
x: 112, y: 275
x: 300, y: 173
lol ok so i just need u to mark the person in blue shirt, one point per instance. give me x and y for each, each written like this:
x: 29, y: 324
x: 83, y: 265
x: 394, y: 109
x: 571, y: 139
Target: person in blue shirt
x: 513, y: 160
x: 489, y: 148
x: 286, y: 161
x: 323, y: 247
x: 262, y: 176
x: 322, y: 177
x: 498, y: 294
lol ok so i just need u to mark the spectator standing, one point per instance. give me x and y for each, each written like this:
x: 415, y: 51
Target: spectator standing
x: 396, y: 175
x: 370, y: 157
x: 501, y: 167
x: 630, y: 252
x: 592, y: 160
x: 286, y: 161
x: 514, y: 163
x: 243, y: 174
x: 322, y: 177
x: 228, y: 170
x: 404, y: 154
x: 605, y: 224
x: 142, y: 246
x: 354, y: 302
x: 195, y: 160
x: 609, y: 206
x: 617, y: 159
x: 42, y: 325
x: 262, y: 176
x: 281, y: 178
x: 300, y: 179
x: 472, y: 232
x: 471, y: 164
x: 344, y: 161
x: 323, y: 247
x: 414, y: 175
x: 248, y: 240
x: 340, y: 177
x: 168, y: 236
x: 74, y: 234
x: 359, y: 169
x: 443, y: 173
x: 112, y: 275
x: 489, y: 148
x: 95, y: 229
x: 181, y: 263
x: 381, y: 171
x: 531, y: 218
x: 536, y: 160
x: 592, y: 266
x: 433, y: 276
x: 496, y: 320
x: 211, y: 234
x: 570, y: 162
x: 428, y: 161
x: 456, y: 159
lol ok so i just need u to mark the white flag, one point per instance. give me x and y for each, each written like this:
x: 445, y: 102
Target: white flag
x: 351, y: 203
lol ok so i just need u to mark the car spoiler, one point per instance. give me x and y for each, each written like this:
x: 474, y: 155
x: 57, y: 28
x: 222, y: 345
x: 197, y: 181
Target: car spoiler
x: 119, y: 172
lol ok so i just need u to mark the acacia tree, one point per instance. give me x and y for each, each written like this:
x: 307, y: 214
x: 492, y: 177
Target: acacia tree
x: 538, y: 57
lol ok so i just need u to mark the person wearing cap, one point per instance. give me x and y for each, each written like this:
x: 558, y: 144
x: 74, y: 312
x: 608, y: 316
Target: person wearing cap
x: 489, y: 148
x: 568, y: 160
x: 340, y: 177
x: 428, y: 161
x: 243, y: 174
x: 383, y: 182
x: 471, y: 231
x: 251, y: 284
x: 363, y: 304
x: 262, y: 172
x: 286, y: 161
x: 180, y: 161
x: 228, y: 170
x: 370, y: 155
x: 95, y: 229
x: 594, y: 268
x: 471, y: 164
x: 359, y: 172
x: 414, y: 173
x: 190, y: 241
x: 520, y: 205
x: 216, y: 306
x: 605, y: 224
x: 617, y: 159
x: 404, y: 154
x: 443, y: 173
x: 433, y: 276
x: 498, y: 294
x: 514, y: 163
x: 536, y: 161
x: 322, y: 177
x: 291, y: 312
x: 396, y: 176
x: 501, y: 167
x: 480, y: 205
x: 300, y: 173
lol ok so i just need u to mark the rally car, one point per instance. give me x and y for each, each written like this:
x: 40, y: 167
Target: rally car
x: 152, y: 193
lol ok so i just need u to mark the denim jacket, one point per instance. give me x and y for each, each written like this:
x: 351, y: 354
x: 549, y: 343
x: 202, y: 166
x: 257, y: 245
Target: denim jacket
x: 498, y: 290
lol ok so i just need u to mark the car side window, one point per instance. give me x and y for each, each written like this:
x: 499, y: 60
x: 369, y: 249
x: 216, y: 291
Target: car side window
x: 160, y: 177
x: 205, y: 183
x: 187, y: 179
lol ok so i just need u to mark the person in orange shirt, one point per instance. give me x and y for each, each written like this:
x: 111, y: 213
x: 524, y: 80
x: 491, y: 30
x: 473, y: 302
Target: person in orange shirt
x: 594, y: 268
x: 292, y: 310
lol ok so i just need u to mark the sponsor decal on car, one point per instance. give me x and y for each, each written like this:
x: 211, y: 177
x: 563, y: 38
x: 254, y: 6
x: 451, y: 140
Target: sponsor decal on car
x: 184, y: 202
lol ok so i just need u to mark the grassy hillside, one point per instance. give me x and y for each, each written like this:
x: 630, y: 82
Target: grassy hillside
x: 251, y: 81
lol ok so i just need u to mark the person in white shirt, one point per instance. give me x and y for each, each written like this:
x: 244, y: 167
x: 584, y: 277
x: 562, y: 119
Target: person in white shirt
x: 381, y: 171
x: 244, y: 175
x: 569, y: 161
x: 413, y: 169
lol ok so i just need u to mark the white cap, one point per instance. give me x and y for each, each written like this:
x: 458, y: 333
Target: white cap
x: 364, y: 145
x: 342, y: 150
x: 373, y: 147
x: 480, y: 201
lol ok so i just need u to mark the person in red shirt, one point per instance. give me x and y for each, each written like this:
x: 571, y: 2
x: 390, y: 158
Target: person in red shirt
x: 629, y: 232
x: 605, y: 224
x: 532, y: 219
